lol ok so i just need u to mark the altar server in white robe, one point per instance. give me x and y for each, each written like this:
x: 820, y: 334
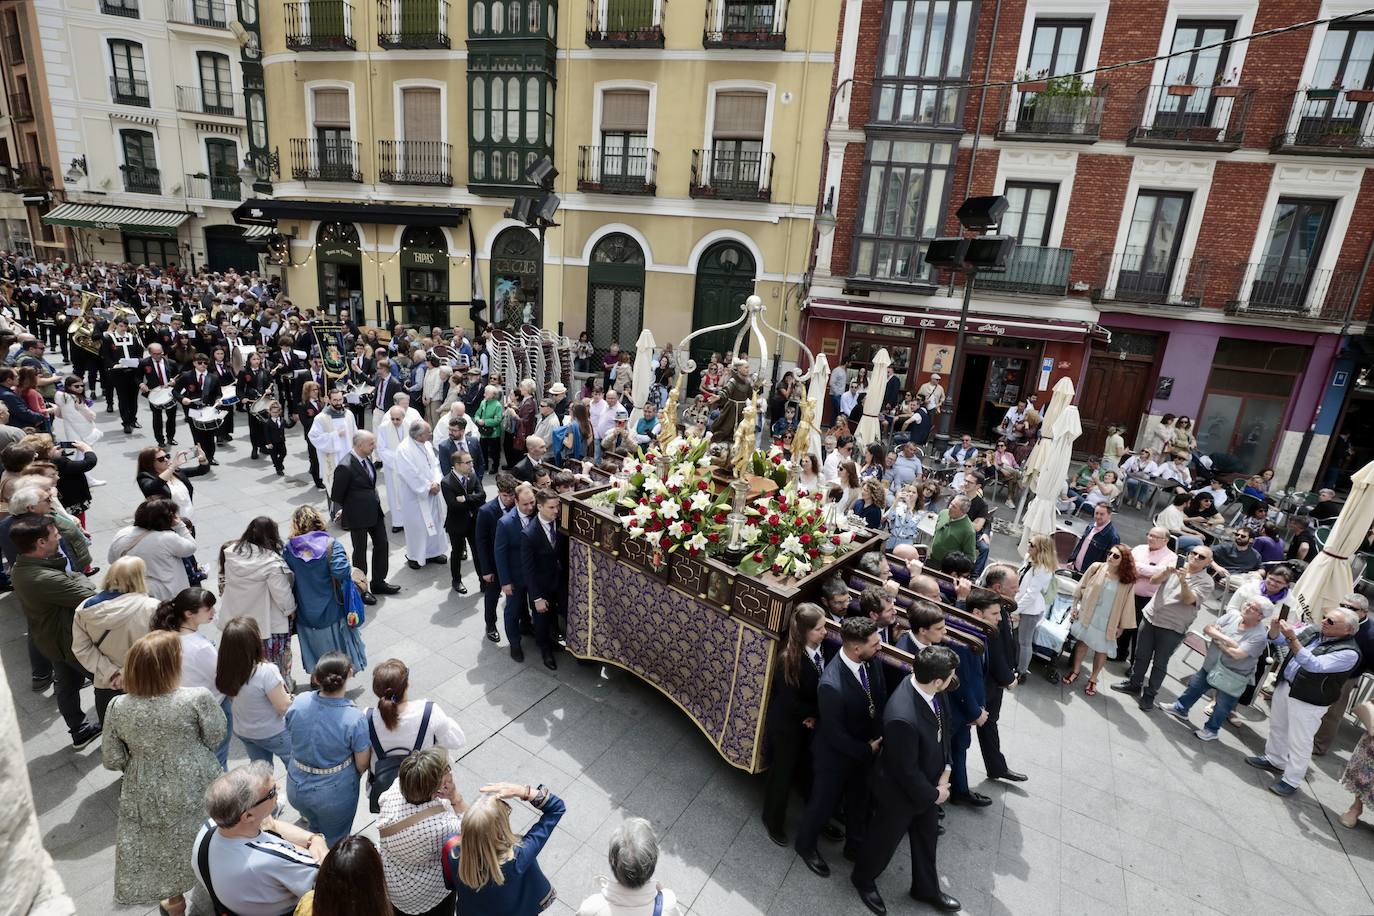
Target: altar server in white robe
x: 416, y: 472
x: 332, y: 435
x: 391, y: 434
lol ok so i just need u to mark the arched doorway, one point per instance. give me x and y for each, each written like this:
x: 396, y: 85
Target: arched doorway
x: 227, y: 249
x: 516, y: 278
x: 424, y: 277
x: 338, y: 252
x: 725, y: 278
x: 615, y: 293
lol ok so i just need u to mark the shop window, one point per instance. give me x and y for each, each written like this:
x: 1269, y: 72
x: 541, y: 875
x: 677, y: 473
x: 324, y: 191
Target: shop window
x: 1248, y: 393
x: 925, y: 53
x: 905, y: 186
x: 154, y: 251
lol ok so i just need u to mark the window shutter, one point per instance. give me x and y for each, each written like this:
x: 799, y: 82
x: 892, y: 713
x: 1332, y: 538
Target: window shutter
x: 331, y: 108
x: 420, y: 113
x: 740, y: 115
x: 625, y: 110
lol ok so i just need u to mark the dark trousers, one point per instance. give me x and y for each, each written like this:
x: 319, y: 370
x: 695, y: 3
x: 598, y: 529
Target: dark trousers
x: 460, y: 547
x: 517, y: 607
x: 491, y: 596
x: 255, y: 436
x: 126, y: 386
x: 164, y: 425
x: 1265, y: 660
x: 359, y: 415
x: 832, y: 780
x: 989, y: 739
x: 67, y: 678
x: 203, y: 437
x: 546, y: 624
x: 444, y: 907
x: 314, y: 461
x: 491, y: 454
x: 226, y: 429
x: 922, y: 830
x: 1125, y: 643
x: 381, y: 562
x: 1152, y: 650
x: 788, y: 750
x: 513, y: 454
x: 39, y: 665
x: 103, y: 696
x: 962, y: 734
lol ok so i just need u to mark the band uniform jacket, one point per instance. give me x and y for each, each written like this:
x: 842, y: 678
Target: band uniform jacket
x: 153, y: 379
x: 462, y: 516
x: 354, y: 491
x: 252, y: 385
x: 111, y: 353
x: 274, y: 434
x: 546, y: 563
x: 188, y: 387
x: 845, y: 726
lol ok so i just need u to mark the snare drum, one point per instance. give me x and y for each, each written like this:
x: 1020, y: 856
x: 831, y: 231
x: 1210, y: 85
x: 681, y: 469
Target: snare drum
x: 361, y: 395
x: 161, y: 397
x: 229, y: 395
x: 206, y: 418
x: 262, y: 407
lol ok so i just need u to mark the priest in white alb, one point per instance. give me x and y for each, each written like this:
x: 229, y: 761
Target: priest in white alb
x: 332, y: 435
x: 415, y: 471
x: 391, y: 434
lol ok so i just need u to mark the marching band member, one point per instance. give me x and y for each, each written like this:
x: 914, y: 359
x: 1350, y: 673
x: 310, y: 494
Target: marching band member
x: 195, y: 388
x: 117, y: 348
x: 274, y: 436
x: 223, y: 370
x: 253, y: 382
x: 415, y: 473
x: 284, y: 364
x: 308, y: 407
x: 159, y: 373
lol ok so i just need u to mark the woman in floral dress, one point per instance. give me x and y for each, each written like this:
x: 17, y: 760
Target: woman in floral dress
x: 1359, y: 779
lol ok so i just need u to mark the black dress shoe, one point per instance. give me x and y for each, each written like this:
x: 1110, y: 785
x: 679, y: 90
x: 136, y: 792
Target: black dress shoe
x: 832, y: 831
x: 128, y: 430
x: 254, y: 456
x: 369, y: 599
x: 412, y: 564
x: 975, y: 799
x: 171, y: 441
x: 319, y: 485
x: 550, y: 662
x: 941, y: 901
x: 396, y: 528
x: 385, y: 588
x: 777, y: 836
x: 214, y: 463
x: 460, y: 588
x: 437, y: 561
x: 939, y: 829
x: 493, y: 635
x: 517, y: 654
x: 1126, y: 687
x: 874, y: 901
x: 1009, y: 776
x: 109, y: 408
x: 137, y: 425
x: 817, y: 864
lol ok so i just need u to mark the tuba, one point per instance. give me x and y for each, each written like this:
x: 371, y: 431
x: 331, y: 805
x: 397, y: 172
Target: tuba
x: 82, y: 327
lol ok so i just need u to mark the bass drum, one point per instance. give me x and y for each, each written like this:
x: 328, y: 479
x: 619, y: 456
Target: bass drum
x: 262, y: 407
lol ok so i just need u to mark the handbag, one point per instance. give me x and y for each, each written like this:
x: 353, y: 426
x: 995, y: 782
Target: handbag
x: 348, y: 597
x: 1227, y: 681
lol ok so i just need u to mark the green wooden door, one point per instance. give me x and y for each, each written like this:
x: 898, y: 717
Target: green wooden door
x: 725, y: 278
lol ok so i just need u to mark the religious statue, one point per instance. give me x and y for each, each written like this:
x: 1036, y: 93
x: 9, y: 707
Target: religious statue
x: 742, y: 451
x: 668, y: 421
x: 806, y: 426
x: 735, y: 392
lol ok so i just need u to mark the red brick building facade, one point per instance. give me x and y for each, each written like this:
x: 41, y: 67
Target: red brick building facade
x: 1193, y: 233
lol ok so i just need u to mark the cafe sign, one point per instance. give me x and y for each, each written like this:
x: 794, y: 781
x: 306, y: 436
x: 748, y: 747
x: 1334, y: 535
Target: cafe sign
x: 942, y: 324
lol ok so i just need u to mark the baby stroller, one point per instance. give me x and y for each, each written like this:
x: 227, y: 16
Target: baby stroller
x: 1052, y: 639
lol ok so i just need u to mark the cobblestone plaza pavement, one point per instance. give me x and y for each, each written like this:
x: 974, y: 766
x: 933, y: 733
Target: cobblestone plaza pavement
x: 1124, y: 812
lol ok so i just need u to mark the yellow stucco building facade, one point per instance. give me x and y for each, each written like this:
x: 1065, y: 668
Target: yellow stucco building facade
x: 686, y: 136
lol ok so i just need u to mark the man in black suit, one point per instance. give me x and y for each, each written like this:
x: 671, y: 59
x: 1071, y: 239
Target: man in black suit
x: 1001, y: 580
x: 913, y: 769
x: 526, y: 467
x: 485, y: 557
x: 195, y: 388
x: 159, y: 371
x: 850, y: 697
x: 463, y: 498
x: 354, y: 491
x: 546, y: 570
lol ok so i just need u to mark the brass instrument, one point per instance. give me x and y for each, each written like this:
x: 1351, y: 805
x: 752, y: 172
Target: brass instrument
x: 82, y: 327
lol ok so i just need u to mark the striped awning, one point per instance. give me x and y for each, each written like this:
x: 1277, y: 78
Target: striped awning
x: 121, y: 219
x: 257, y: 232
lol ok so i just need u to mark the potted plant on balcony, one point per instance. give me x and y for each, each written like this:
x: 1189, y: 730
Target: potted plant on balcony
x: 1359, y: 95
x: 1183, y: 87
x: 1027, y: 83
x: 1226, y: 87
x: 1060, y: 108
x: 1330, y: 92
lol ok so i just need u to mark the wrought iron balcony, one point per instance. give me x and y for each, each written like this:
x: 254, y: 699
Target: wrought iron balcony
x: 415, y: 162
x: 32, y: 176
x: 1269, y: 289
x: 214, y: 187
x: 618, y: 171
x: 126, y: 90
x: 142, y: 179
x: 1191, y: 117
x: 1329, y: 122
x: 209, y: 101
x: 14, y: 47
x: 625, y: 23
x: 1131, y: 276
x: 760, y: 24
x: 731, y: 174
x: 313, y: 160
x: 210, y: 14
x: 21, y: 108
x: 126, y: 8
x: 320, y: 25
x: 1032, y: 269
x: 412, y: 23
x: 1062, y: 111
